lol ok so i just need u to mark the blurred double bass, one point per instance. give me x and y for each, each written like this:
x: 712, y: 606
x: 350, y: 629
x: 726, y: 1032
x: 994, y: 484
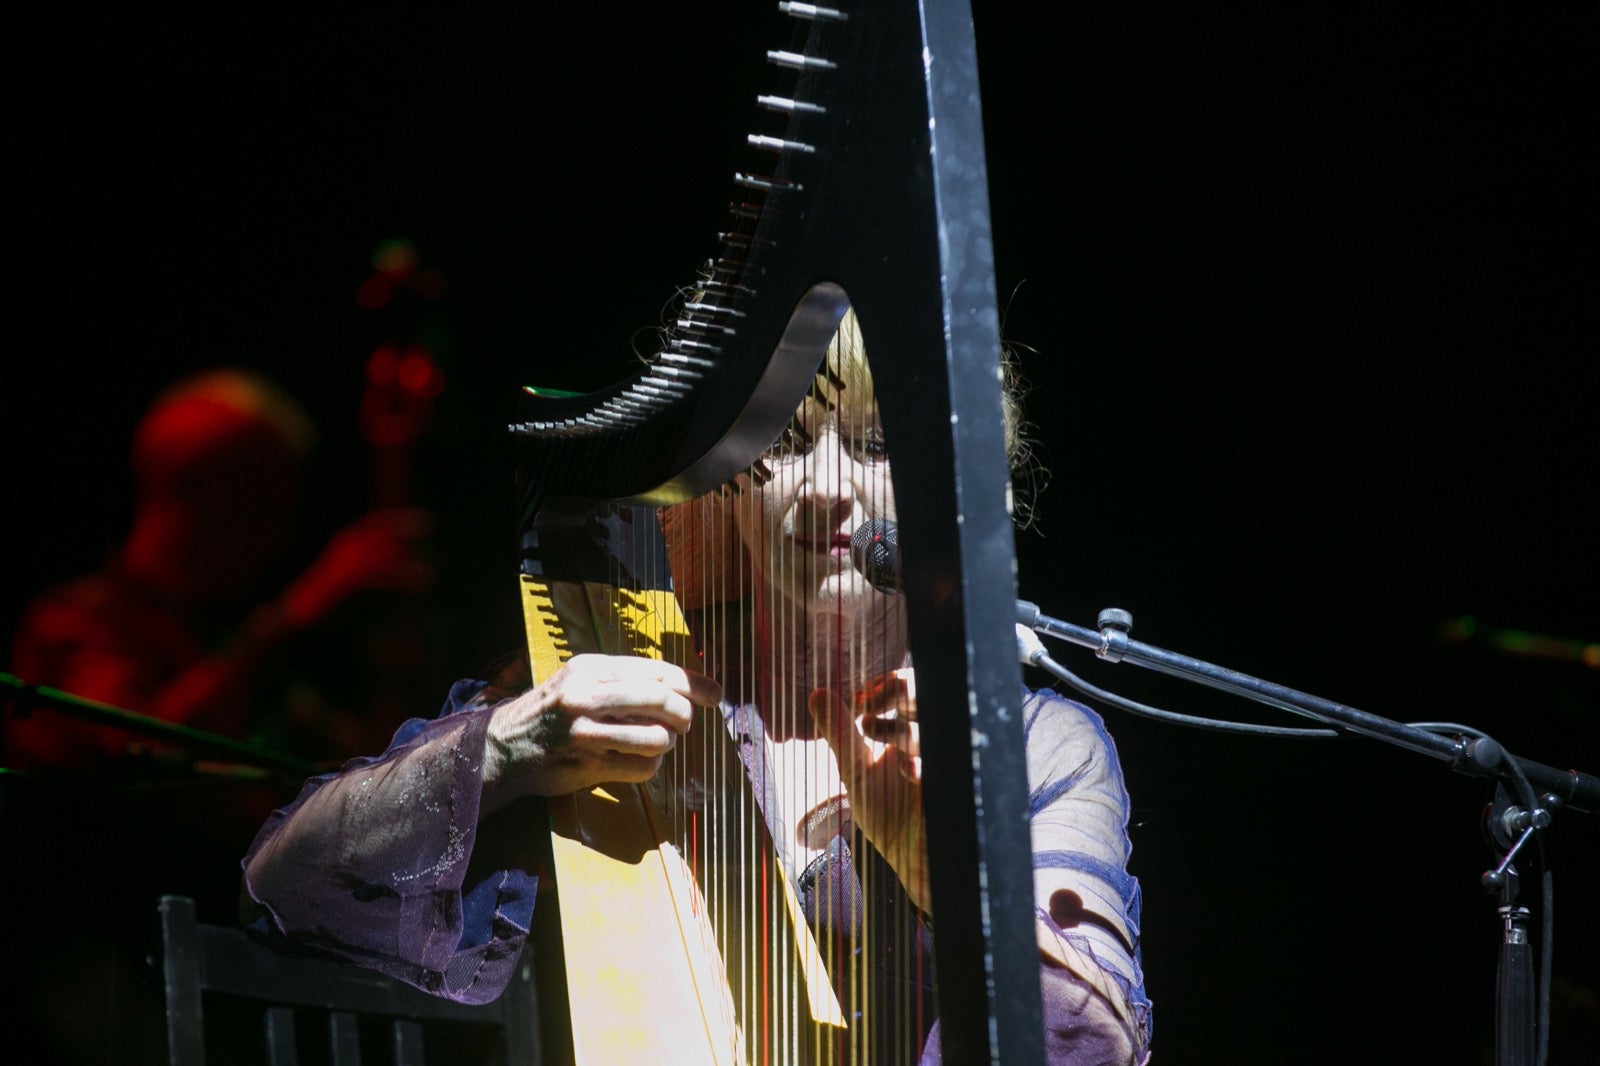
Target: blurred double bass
x: 867, y: 189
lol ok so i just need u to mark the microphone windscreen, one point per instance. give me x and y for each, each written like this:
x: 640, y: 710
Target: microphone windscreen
x: 875, y: 550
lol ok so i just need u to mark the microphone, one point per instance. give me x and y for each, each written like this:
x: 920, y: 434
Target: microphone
x: 875, y: 550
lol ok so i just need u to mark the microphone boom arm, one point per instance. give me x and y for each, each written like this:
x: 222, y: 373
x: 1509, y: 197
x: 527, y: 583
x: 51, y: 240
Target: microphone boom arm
x: 1478, y: 756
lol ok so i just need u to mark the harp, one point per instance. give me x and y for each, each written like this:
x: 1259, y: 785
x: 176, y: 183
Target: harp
x: 870, y: 189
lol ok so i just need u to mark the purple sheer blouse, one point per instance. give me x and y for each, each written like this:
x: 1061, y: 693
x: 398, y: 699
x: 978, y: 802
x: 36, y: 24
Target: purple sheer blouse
x: 384, y: 864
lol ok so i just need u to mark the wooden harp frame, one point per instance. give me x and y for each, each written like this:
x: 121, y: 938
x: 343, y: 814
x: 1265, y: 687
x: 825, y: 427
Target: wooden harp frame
x: 874, y: 195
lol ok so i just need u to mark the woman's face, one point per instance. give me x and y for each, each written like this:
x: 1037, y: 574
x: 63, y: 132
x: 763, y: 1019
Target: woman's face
x: 828, y: 476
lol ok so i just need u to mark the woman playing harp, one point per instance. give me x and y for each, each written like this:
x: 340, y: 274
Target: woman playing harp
x: 400, y: 863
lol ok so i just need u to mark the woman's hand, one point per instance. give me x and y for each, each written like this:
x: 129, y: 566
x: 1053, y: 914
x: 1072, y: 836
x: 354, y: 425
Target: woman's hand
x: 599, y: 719
x: 875, y: 742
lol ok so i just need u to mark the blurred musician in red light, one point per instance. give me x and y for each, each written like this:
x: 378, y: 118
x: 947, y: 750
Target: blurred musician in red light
x: 177, y: 622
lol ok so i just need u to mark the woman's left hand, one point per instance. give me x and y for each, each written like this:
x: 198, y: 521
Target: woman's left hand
x: 875, y: 742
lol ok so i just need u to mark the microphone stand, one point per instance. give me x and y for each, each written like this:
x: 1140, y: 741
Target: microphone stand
x: 1516, y: 815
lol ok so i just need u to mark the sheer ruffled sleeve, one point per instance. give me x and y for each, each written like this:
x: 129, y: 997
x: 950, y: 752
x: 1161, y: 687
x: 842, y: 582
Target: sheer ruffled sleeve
x: 1088, y: 902
x: 370, y: 864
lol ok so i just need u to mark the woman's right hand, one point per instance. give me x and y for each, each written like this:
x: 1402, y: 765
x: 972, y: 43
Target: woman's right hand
x: 878, y: 747
x: 599, y: 719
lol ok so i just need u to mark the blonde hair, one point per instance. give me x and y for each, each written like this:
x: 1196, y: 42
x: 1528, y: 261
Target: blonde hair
x: 706, y: 555
x: 845, y: 369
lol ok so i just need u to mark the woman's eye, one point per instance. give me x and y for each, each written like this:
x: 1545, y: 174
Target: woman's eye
x: 869, y: 446
x: 794, y: 442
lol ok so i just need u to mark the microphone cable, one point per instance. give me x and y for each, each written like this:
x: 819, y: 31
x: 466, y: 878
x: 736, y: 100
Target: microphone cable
x: 1031, y: 651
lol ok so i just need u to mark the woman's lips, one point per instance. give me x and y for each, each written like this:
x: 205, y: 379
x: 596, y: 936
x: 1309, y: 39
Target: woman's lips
x: 830, y: 543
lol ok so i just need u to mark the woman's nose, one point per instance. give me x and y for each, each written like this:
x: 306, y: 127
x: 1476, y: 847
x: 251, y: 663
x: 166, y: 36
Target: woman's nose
x: 829, y: 488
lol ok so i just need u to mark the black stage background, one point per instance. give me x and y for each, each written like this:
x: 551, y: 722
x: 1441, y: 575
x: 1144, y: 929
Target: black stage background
x: 1306, y: 299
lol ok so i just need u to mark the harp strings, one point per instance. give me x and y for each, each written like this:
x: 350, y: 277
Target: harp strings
x: 763, y: 568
